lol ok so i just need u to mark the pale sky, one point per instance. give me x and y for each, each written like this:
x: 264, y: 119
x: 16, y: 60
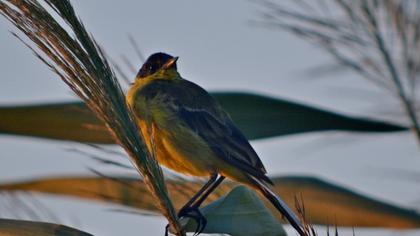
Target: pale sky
x: 220, y: 50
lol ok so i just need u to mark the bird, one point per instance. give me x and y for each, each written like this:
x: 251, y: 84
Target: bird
x: 188, y: 132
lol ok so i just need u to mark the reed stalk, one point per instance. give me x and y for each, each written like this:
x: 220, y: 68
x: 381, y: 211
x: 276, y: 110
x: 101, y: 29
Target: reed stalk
x: 76, y: 58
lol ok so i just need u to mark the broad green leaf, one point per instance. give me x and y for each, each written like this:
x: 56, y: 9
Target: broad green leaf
x: 325, y: 203
x: 261, y: 116
x: 10, y: 227
x: 66, y: 121
x: 257, y: 116
x: 239, y: 213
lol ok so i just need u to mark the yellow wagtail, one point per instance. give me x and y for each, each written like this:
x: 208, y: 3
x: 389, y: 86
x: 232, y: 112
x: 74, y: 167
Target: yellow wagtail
x: 191, y: 134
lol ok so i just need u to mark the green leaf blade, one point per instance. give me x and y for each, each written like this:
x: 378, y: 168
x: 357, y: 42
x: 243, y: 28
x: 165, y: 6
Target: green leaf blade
x: 261, y: 116
x: 256, y: 115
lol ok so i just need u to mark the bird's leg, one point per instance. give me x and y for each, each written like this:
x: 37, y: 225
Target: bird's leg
x: 192, y: 210
x: 185, y: 210
x: 212, y: 179
x: 204, y: 196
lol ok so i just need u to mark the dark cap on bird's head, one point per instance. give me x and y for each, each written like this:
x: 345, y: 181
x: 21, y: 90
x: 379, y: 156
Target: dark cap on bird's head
x: 156, y: 62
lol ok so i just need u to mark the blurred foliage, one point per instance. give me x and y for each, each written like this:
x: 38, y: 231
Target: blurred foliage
x: 325, y: 203
x: 378, y: 40
x: 10, y: 227
x: 257, y: 116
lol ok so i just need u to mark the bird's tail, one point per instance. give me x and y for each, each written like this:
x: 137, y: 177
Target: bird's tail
x: 280, y: 205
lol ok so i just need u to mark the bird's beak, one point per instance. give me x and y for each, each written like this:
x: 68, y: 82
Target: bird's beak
x: 171, y: 63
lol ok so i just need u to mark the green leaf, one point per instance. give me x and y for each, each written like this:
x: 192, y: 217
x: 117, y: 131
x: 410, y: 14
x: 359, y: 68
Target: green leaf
x: 62, y: 121
x: 261, y: 117
x: 257, y: 116
x: 239, y: 213
x: 325, y: 203
x: 10, y: 227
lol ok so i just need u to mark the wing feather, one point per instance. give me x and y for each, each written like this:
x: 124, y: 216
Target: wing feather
x: 204, y: 116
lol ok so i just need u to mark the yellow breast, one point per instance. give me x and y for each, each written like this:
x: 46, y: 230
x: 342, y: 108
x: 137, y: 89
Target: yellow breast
x: 187, y: 156
x: 175, y: 146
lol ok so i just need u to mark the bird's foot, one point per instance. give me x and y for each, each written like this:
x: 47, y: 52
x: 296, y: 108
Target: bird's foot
x: 195, y: 214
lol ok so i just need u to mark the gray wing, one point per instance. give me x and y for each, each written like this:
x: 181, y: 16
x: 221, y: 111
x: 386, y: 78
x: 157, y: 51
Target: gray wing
x: 204, y: 116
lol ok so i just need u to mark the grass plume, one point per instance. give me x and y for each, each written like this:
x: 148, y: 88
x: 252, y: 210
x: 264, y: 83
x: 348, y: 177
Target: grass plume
x: 78, y: 60
x: 377, y: 39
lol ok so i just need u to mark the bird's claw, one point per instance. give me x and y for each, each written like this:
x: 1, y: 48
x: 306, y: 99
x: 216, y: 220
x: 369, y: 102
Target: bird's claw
x: 195, y: 214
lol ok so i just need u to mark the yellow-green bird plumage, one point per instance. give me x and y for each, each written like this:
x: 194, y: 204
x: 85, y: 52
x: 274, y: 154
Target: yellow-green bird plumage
x: 188, y: 131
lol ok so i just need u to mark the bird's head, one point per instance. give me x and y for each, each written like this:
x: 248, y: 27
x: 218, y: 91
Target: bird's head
x: 158, y: 65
